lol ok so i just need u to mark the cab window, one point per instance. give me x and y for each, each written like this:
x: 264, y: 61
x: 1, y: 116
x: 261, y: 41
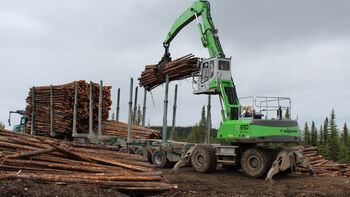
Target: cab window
x: 205, y: 72
x: 224, y: 65
x: 211, y: 66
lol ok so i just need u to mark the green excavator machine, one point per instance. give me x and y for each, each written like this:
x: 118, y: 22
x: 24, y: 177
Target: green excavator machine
x: 22, y: 124
x: 239, y: 133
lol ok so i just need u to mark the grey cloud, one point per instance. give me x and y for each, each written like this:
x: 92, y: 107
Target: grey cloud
x: 288, y: 48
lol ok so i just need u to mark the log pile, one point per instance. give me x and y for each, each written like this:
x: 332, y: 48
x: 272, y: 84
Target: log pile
x: 63, y: 102
x: 43, y: 159
x: 178, y: 69
x: 321, y: 166
x: 115, y: 128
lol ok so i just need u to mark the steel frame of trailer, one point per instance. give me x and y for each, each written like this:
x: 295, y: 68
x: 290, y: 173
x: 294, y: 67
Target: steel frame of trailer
x: 174, y: 149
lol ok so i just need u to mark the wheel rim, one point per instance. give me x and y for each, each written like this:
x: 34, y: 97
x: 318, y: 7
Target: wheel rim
x: 158, y: 158
x: 200, y: 159
x: 141, y: 153
x: 253, y: 162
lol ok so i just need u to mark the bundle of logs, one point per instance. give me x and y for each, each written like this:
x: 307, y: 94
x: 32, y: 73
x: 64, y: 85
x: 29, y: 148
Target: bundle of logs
x: 320, y: 165
x: 181, y: 68
x: 45, y: 159
x: 115, y: 128
x: 63, y: 106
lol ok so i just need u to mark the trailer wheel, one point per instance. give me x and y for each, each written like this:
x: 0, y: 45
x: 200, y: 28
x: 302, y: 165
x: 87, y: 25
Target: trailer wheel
x: 159, y: 159
x: 125, y: 150
x: 255, y: 162
x: 203, y: 159
x: 145, y: 153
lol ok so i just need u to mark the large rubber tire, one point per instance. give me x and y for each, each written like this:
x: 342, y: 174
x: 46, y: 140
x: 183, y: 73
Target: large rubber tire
x: 125, y: 150
x: 159, y: 159
x: 203, y: 159
x: 255, y: 162
x: 145, y: 153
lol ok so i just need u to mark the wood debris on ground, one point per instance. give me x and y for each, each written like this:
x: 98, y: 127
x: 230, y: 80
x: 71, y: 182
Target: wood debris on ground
x: 178, y: 69
x: 320, y: 165
x: 43, y: 159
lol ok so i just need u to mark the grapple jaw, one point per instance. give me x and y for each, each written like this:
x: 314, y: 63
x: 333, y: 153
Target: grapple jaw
x: 165, y: 59
x: 288, y: 158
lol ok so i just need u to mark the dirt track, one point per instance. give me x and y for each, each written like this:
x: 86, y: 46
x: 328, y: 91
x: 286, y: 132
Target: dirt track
x: 191, y: 183
x: 235, y: 183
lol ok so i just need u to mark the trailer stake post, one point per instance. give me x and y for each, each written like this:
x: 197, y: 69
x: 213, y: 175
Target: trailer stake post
x: 74, y: 133
x: 52, y: 128
x: 207, y: 138
x: 91, y: 131
x: 144, y: 107
x: 165, y: 113
x: 174, y: 114
x: 130, y: 111
x: 118, y: 106
x: 32, y: 132
x: 135, y: 106
x: 99, y: 131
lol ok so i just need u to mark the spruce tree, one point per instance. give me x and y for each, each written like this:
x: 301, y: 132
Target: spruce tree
x: 321, y: 149
x: 325, y: 131
x: 321, y: 135
x: 345, y: 136
x: 313, y: 134
x: 203, y: 125
x: 197, y: 134
x: 306, y: 140
x: 2, y: 125
x: 344, y: 154
x: 138, y: 119
x: 333, y: 142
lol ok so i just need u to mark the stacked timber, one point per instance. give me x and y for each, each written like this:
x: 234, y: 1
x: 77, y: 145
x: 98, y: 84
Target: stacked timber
x: 181, y: 68
x: 320, y: 165
x: 63, y: 107
x: 45, y: 159
x: 115, y: 128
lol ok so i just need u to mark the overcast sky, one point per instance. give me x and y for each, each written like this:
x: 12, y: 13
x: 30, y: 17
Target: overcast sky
x: 299, y: 49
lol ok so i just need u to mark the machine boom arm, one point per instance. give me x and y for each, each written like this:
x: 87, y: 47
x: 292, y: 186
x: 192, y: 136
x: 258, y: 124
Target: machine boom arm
x: 209, y: 37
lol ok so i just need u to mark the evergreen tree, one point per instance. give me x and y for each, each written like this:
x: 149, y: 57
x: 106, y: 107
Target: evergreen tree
x: 2, y: 125
x: 306, y: 140
x: 321, y: 135
x: 197, y: 134
x: 112, y: 116
x: 344, y: 154
x: 345, y: 136
x: 138, y: 119
x: 313, y: 134
x: 325, y: 131
x: 286, y: 114
x: 333, y: 142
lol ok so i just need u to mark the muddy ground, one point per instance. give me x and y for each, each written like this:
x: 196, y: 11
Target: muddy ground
x: 235, y: 183
x: 191, y: 183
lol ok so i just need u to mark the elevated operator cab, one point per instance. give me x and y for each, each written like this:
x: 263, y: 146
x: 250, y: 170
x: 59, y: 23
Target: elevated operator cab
x: 211, y: 71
